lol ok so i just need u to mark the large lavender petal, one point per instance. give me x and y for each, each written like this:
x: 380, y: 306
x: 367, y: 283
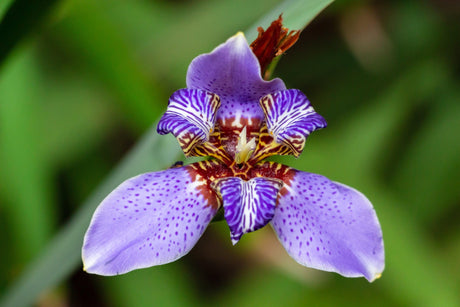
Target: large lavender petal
x: 290, y: 118
x: 151, y: 219
x: 232, y: 71
x: 248, y: 205
x: 329, y: 226
x: 191, y: 116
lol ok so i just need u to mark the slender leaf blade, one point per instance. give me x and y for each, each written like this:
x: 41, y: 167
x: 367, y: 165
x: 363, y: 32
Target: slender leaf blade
x: 297, y: 14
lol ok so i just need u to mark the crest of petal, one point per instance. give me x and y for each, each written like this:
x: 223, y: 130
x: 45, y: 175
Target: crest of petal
x: 151, y: 219
x: 329, y: 226
x: 232, y: 71
x: 290, y: 118
x: 248, y: 205
x: 190, y: 117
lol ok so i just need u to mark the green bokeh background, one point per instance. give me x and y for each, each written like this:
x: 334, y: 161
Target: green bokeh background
x: 82, y: 84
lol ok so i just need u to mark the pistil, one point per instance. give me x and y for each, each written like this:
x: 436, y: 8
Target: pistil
x: 244, y: 149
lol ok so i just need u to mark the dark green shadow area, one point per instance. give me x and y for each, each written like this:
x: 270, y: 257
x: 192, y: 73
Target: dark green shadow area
x: 21, y: 19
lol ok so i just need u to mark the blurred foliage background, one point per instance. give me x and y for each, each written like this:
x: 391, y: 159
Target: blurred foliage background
x: 81, y: 82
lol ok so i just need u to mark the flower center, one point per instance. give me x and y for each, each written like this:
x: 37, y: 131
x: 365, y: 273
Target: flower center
x: 244, y: 149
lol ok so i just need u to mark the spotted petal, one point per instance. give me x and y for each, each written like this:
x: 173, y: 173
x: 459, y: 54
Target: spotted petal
x: 329, y: 226
x: 151, y: 219
x: 232, y: 71
x: 248, y: 205
x: 190, y: 117
x: 290, y: 118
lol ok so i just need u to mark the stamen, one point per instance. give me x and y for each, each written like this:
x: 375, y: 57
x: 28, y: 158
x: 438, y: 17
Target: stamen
x: 244, y: 149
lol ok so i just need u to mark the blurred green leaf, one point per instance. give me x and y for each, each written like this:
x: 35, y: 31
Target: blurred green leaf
x: 267, y: 288
x: 296, y: 15
x: 26, y: 174
x: 169, y: 285
x: 19, y: 18
x: 92, y: 37
x: 428, y: 176
x: 81, y: 109
x: 417, y: 39
x: 4, y: 6
x: 198, y: 25
x: 412, y: 262
x: 264, y: 286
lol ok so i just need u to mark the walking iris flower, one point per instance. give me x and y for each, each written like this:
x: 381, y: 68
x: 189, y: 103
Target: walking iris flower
x: 229, y: 113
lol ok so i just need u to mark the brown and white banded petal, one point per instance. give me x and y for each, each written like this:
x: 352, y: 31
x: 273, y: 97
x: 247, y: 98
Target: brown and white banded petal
x: 290, y: 118
x: 190, y: 117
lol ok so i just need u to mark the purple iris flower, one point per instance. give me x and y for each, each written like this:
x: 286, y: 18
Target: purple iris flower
x: 228, y: 112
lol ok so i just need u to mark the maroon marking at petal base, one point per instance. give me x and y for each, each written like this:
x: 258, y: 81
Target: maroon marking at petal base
x: 187, y: 142
x: 213, y: 148
x: 209, y: 171
x: 267, y: 146
x: 274, y: 170
x: 229, y: 134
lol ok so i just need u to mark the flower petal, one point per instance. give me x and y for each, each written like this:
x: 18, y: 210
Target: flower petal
x: 232, y: 71
x: 329, y: 226
x: 291, y: 118
x: 151, y: 219
x: 191, y: 116
x: 248, y: 205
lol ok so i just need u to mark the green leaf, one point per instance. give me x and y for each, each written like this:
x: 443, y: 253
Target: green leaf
x: 94, y: 39
x: 26, y: 174
x: 162, y: 283
x: 19, y: 18
x: 412, y: 261
x: 428, y: 174
x: 4, y: 6
x: 162, y: 49
x: 297, y: 14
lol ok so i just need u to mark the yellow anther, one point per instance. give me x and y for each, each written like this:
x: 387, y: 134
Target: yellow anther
x: 244, y: 149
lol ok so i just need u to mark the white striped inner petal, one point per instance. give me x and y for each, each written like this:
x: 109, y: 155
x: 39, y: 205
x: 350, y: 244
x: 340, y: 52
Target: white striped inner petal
x: 290, y: 118
x: 248, y: 205
x: 191, y: 117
